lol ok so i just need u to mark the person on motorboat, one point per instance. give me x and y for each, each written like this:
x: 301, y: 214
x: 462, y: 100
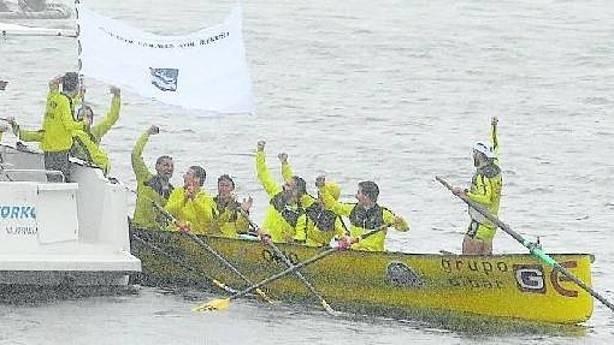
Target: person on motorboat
x: 228, y: 211
x: 191, y: 206
x: 285, y: 216
x: 364, y: 215
x: 151, y: 188
x: 485, y: 190
x: 87, y: 142
x: 321, y: 224
x: 56, y: 136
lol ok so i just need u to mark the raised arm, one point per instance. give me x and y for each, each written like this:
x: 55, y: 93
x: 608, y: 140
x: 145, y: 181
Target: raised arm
x: 138, y: 164
x: 286, y: 169
x: 493, y: 137
x: 339, y: 208
x: 263, y: 173
x: 101, y: 128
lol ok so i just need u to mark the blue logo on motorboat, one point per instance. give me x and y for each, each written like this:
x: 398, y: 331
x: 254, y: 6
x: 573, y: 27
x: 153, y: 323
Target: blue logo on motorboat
x: 17, y: 212
x: 164, y: 79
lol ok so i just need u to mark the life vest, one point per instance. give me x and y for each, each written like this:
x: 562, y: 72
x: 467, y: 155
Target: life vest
x: 157, y: 184
x: 372, y: 218
x: 323, y: 219
x: 289, y: 214
x: 489, y: 174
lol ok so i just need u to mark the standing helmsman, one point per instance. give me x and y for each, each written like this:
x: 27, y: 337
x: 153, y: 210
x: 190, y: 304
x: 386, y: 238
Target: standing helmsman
x: 485, y: 190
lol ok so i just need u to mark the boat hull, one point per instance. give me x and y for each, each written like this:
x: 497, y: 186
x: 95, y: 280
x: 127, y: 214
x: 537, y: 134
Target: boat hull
x: 512, y: 286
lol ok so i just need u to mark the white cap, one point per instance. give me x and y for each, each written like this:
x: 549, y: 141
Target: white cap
x: 485, y: 149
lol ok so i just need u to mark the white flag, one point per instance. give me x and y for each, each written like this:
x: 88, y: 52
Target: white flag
x: 203, y: 70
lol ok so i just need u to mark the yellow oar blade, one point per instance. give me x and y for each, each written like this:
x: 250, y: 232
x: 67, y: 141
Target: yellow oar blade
x: 216, y: 304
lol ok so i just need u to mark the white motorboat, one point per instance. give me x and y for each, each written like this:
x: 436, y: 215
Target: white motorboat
x: 59, y: 233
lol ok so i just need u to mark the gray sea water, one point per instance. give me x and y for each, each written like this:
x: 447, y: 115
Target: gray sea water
x: 394, y: 90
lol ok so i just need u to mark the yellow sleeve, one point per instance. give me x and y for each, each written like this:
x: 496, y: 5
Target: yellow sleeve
x: 264, y: 175
x: 204, y: 205
x: 176, y: 201
x: 138, y: 164
x: 95, y: 154
x: 389, y: 218
x: 340, y: 228
x: 483, y: 191
x: 29, y: 136
x: 286, y: 171
x: 339, y: 208
x: 300, y: 230
x: 101, y: 128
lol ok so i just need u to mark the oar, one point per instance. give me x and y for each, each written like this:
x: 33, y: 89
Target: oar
x: 219, y: 304
x: 532, y: 247
x: 182, y: 264
x: 211, y: 251
x: 289, y: 263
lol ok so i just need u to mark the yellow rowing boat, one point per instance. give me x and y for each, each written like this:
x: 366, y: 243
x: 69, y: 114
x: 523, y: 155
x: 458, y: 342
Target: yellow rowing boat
x: 511, y: 286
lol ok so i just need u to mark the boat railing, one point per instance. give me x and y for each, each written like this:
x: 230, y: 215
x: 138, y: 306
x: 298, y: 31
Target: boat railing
x: 9, y: 174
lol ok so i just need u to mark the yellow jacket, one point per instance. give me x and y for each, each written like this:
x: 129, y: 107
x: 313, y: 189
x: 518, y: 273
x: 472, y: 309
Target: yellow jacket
x: 363, y: 220
x: 229, y: 219
x: 198, y: 212
x: 282, y: 228
x: 91, y: 150
x: 146, y: 215
x: 58, y: 123
x: 87, y: 151
x: 331, y: 223
x: 486, y: 186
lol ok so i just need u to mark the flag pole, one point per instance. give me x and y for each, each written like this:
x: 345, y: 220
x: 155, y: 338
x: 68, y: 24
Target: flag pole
x: 79, y: 50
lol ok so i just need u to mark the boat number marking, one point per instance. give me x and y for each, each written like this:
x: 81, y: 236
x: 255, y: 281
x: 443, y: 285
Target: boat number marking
x: 531, y: 278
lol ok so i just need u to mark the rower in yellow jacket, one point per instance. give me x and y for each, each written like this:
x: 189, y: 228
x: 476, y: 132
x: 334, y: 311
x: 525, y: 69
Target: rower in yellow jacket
x: 364, y: 215
x: 321, y: 224
x: 191, y: 206
x: 227, y: 212
x: 285, y: 217
x: 151, y: 188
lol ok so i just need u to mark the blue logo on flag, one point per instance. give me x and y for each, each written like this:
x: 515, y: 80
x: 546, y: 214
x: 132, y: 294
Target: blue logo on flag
x: 164, y: 79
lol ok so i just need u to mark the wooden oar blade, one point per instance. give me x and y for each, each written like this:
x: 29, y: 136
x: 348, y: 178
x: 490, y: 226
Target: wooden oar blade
x: 216, y: 304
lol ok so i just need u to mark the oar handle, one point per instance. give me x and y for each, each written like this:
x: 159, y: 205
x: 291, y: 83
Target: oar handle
x: 532, y: 247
